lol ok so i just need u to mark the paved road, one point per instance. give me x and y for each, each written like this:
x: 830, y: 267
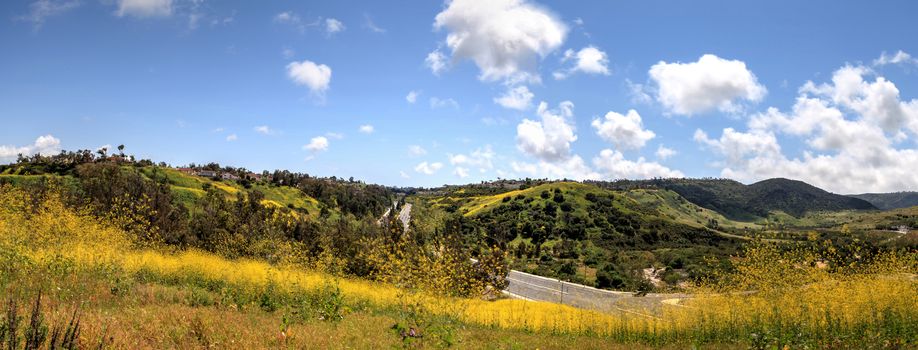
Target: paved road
x: 531, y: 287
x: 405, y: 215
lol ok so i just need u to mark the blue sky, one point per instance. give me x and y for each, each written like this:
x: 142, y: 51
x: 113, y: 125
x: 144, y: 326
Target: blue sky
x: 821, y: 91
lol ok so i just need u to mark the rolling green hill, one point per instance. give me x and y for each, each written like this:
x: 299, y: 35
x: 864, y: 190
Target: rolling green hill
x: 585, y: 233
x: 189, y: 188
x: 887, y: 201
x: 741, y: 202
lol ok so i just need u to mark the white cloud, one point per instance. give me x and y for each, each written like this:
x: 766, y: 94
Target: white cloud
x: 366, y: 129
x: 549, y: 139
x: 144, y: 8
x: 851, y: 128
x: 573, y: 167
x: 231, y: 137
x: 711, y: 83
x: 482, y: 158
x: 505, y: 38
x: 428, y: 168
x: 45, y: 145
x: 333, y: 26
x: 624, y: 131
x: 317, y: 144
x: 403, y: 174
x: 589, y: 60
x: 316, y: 77
x: 736, y: 146
x: 412, y: 96
x: 40, y: 10
x: 664, y: 153
x: 287, y: 17
x: 436, y: 102
x: 461, y: 172
x: 900, y: 57
x: 334, y: 135
x: 416, y: 150
x: 519, y: 98
x: 877, y: 101
x: 436, y: 61
x: 264, y: 130
x: 613, y: 165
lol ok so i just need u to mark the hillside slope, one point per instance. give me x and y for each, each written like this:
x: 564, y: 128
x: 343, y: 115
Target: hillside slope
x: 737, y: 201
x: 189, y: 188
x: 887, y: 201
x: 587, y: 234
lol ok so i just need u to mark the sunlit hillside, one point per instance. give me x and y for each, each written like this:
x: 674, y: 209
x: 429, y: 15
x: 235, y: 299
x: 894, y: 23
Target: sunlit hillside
x: 79, y: 262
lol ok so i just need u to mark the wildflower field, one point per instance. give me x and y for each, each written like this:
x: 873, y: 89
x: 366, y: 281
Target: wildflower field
x: 135, y: 295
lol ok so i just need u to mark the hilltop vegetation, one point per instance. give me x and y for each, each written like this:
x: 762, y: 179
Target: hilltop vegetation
x: 264, y: 219
x: 741, y: 202
x: 586, y: 234
x: 888, y: 201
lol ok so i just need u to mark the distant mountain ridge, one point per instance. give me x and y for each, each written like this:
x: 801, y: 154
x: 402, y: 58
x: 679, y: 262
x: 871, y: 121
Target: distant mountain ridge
x: 888, y: 201
x: 747, y: 202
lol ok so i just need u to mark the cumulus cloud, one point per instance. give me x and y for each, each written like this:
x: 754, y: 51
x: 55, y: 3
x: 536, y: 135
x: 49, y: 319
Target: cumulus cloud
x: 412, y: 96
x: 428, y: 168
x: 664, y: 153
x: 366, y: 129
x: 613, y: 165
x: 333, y: 26
x: 45, y: 145
x: 231, y: 137
x: 709, y: 84
x: 317, y: 144
x: 549, y: 141
x: 550, y: 138
x: 144, y: 8
x: 461, y: 172
x: 505, y: 38
x: 481, y: 158
x: 519, y: 98
x: 40, y: 10
x: 589, y: 60
x: 624, y: 131
x: 573, y: 167
x: 850, y: 127
x: 316, y: 77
